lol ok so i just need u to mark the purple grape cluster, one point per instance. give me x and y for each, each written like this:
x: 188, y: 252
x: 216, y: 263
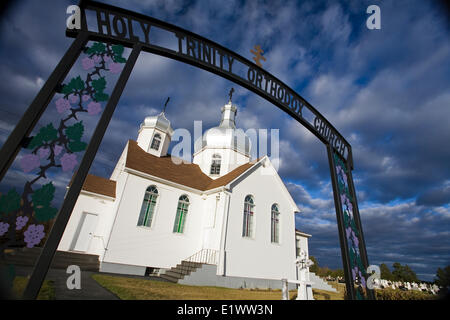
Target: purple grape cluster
x: 68, y: 161
x: 34, y: 235
x: 3, y: 228
x: 29, y: 162
x: 21, y: 221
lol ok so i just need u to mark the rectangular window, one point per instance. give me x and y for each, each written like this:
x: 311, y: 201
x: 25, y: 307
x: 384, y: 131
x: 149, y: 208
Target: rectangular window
x: 155, y: 144
x: 215, y: 167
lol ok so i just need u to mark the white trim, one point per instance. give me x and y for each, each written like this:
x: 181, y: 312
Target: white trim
x: 161, y: 180
x: 98, y: 195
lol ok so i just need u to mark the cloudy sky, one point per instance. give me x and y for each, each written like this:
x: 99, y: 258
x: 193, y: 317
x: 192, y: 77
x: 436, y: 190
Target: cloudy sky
x: 387, y: 91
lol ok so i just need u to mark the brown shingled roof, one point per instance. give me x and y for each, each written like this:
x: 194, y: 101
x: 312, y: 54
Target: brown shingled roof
x: 187, y: 174
x: 100, y: 185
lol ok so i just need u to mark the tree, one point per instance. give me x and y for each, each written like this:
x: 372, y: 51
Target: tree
x: 315, y: 267
x: 403, y: 273
x: 385, y: 272
x: 443, y: 277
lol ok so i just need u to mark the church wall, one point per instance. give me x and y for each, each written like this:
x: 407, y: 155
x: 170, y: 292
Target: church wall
x: 155, y: 246
x: 213, y: 218
x: 257, y: 257
x: 92, y: 204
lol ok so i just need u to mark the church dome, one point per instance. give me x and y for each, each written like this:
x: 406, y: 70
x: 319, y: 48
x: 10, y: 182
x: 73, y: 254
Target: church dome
x: 160, y: 122
x: 225, y: 135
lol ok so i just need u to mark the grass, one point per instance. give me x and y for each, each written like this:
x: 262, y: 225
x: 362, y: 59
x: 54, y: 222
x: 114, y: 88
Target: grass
x: 140, y: 289
x: 47, y: 291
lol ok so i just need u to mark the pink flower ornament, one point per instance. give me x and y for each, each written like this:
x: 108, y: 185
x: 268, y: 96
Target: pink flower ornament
x: 29, y: 162
x: 57, y: 150
x: 62, y: 105
x: 115, y: 67
x: 43, y: 153
x: 87, y: 63
x: 94, y: 108
x: 68, y: 161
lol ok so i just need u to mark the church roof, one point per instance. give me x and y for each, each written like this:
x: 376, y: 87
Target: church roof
x: 100, y: 185
x: 187, y: 174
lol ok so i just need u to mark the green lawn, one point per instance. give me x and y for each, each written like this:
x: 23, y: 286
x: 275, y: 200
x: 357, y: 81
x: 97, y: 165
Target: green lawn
x: 140, y: 289
x: 47, y: 291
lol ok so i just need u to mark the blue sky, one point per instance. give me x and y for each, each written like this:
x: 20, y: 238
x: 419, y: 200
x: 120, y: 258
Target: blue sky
x: 387, y: 91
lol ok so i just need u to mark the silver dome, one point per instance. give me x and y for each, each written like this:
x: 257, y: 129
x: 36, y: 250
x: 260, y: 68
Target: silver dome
x: 160, y: 122
x: 225, y: 135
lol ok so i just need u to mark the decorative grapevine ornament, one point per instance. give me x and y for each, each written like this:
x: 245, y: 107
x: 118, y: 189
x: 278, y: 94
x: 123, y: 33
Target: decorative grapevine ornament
x: 56, y: 147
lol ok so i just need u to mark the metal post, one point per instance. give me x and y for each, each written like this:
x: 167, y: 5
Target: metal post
x: 46, y: 256
x: 26, y: 124
x: 365, y: 260
x: 341, y: 229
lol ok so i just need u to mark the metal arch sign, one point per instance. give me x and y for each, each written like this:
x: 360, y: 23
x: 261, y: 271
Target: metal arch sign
x: 119, y: 26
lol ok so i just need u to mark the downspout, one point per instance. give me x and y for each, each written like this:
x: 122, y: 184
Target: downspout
x: 222, y: 257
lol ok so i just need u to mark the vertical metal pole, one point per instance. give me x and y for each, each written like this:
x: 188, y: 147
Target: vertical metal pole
x: 26, y: 124
x: 362, y: 247
x: 341, y: 228
x: 46, y: 256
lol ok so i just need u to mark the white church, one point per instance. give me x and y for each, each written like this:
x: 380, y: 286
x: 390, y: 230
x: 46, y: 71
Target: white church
x: 224, y: 210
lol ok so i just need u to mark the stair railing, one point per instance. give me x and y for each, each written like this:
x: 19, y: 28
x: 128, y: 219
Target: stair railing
x: 208, y: 256
x: 204, y: 256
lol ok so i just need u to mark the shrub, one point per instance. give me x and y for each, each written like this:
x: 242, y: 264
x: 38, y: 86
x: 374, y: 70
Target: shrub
x: 391, y: 294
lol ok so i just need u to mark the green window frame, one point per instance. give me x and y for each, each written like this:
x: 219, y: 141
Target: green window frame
x: 182, y: 211
x: 148, y: 207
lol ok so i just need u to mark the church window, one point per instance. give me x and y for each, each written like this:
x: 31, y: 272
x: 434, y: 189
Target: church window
x: 148, y: 207
x: 249, y: 205
x: 215, y: 164
x: 182, y: 210
x: 156, y: 141
x: 275, y: 238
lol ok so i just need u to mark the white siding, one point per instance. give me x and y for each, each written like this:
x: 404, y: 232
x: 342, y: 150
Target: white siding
x: 258, y: 257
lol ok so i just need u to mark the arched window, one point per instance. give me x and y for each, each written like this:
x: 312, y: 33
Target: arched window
x: 148, y: 207
x: 215, y: 164
x: 249, y: 204
x: 156, y: 141
x: 182, y: 210
x: 275, y: 238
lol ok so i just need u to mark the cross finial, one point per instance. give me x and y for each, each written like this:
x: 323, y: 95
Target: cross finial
x: 231, y: 94
x: 165, y: 105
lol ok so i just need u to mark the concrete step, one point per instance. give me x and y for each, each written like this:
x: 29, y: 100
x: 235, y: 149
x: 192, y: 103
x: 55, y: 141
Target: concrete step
x: 174, y: 274
x: 180, y: 271
x: 169, y: 278
x: 191, y: 264
x: 319, y: 283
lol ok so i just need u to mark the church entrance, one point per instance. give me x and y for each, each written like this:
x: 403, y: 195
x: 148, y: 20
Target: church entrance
x: 85, y: 232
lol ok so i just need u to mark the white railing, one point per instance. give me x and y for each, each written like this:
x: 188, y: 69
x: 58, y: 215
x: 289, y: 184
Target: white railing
x: 208, y: 256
